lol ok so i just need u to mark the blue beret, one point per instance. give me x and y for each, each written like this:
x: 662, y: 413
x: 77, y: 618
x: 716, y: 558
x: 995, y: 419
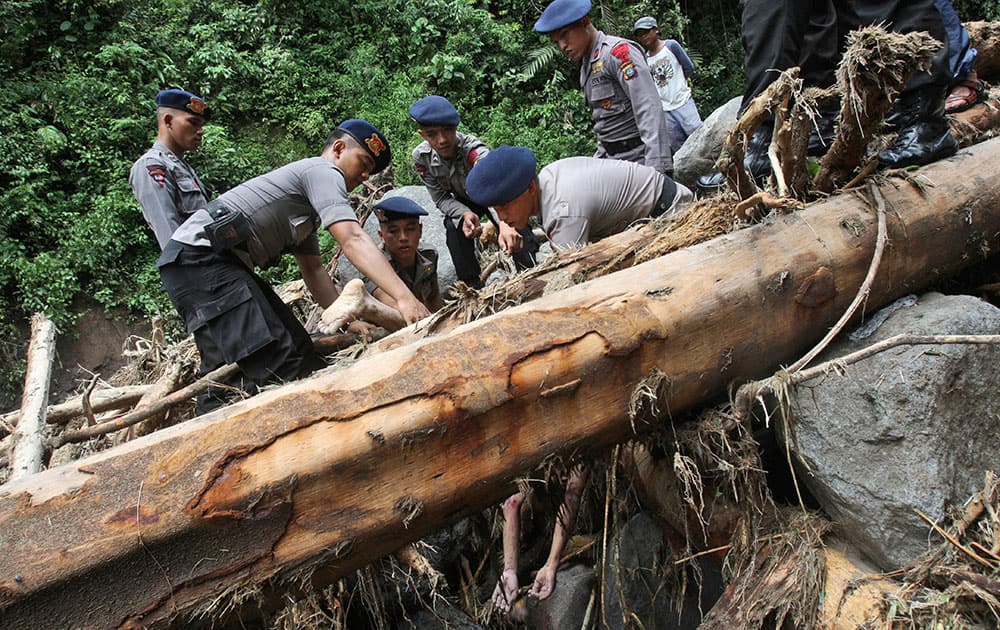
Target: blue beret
x: 561, y: 13
x: 393, y: 208
x: 502, y: 175
x: 185, y: 101
x: 371, y: 139
x: 432, y: 111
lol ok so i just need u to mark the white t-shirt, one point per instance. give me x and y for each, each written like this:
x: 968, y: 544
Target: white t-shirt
x: 669, y: 79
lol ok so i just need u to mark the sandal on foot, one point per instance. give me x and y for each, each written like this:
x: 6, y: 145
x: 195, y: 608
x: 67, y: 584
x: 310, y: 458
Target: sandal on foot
x: 964, y: 95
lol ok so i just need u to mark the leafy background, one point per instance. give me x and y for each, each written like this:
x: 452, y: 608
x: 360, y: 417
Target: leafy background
x: 76, y: 109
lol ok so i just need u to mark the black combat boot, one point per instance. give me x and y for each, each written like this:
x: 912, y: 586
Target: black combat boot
x: 756, y: 161
x: 923, y: 135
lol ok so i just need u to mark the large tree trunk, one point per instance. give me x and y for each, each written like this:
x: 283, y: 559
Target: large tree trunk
x: 349, y: 465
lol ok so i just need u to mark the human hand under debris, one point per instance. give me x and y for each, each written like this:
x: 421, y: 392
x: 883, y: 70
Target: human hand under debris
x: 506, y: 590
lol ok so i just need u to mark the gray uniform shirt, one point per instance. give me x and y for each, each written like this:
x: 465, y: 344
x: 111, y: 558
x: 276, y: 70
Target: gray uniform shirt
x: 285, y: 208
x: 624, y: 102
x: 584, y: 199
x: 445, y: 179
x: 167, y: 189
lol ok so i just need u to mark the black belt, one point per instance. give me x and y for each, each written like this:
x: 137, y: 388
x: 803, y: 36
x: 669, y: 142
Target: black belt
x: 667, y: 194
x: 621, y: 146
x: 216, y: 209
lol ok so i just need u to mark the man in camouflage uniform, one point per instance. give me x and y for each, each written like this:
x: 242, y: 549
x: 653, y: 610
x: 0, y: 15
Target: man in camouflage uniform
x: 443, y: 161
x: 400, y: 231
x: 166, y: 187
x: 617, y: 86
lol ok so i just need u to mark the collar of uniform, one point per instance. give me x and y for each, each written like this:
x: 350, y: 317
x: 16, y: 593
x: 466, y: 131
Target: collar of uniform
x: 595, y: 52
x: 162, y: 148
x: 421, y: 259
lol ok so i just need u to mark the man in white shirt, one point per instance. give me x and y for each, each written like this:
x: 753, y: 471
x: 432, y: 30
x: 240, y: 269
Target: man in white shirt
x: 671, y: 67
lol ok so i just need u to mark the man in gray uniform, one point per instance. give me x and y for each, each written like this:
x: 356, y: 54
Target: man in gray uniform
x: 166, y: 187
x: 617, y: 85
x: 443, y: 161
x: 579, y: 199
x: 207, y: 266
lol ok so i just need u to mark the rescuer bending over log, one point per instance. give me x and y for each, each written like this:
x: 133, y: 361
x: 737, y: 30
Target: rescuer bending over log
x: 579, y: 199
x: 207, y: 265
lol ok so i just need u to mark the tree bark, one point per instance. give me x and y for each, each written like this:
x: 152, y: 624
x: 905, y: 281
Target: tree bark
x: 27, y: 457
x: 342, y: 468
x: 985, y: 38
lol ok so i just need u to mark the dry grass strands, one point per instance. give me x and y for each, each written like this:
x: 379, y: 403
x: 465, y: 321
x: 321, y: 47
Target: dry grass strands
x: 871, y: 74
x: 703, y: 220
x: 956, y: 585
x: 777, y: 572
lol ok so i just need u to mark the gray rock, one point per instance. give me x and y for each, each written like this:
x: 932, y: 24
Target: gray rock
x: 566, y: 607
x: 433, y: 237
x: 912, y: 427
x: 444, y: 616
x: 698, y: 154
x: 633, y: 582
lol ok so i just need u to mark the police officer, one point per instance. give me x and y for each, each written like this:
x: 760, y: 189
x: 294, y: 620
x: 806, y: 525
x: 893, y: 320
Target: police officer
x: 166, y: 187
x: 617, y: 86
x: 443, y: 161
x: 400, y: 230
x: 207, y: 266
x: 579, y: 199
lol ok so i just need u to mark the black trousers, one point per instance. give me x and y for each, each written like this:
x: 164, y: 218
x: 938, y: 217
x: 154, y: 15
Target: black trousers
x: 780, y: 34
x: 235, y: 317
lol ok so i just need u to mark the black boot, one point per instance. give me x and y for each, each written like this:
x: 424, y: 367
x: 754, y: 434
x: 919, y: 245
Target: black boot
x: 823, y: 131
x: 756, y: 161
x: 923, y: 135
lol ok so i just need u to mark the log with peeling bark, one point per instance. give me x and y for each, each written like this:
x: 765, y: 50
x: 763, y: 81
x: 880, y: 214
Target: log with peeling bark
x: 27, y: 456
x: 340, y: 469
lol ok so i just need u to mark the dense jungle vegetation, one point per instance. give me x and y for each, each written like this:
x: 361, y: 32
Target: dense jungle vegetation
x: 79, y: 77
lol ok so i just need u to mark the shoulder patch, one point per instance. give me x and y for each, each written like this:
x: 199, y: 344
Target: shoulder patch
x: 158, y: 172
x: 628, y: 71
x: 621, y: 52
x: 472, y: 157
x: 420, y: 168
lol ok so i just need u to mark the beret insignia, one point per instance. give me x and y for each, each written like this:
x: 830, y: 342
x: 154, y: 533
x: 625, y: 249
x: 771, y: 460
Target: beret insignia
x: 375, y: 144
x: 197, y: 105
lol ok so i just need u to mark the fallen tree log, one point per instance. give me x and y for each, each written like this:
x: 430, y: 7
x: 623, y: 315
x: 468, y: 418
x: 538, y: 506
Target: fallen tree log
x: 28, y: 453
x: 349, y: 465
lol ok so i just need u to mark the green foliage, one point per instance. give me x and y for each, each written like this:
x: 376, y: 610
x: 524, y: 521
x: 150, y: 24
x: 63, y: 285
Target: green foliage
x: 79, y: 78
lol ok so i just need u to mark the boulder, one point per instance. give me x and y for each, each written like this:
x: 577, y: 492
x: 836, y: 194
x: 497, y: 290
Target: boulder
x: 911, y: 427
x: 698, y: 154
x: 567, y: 606
x: 433, y: 237
x: 441, y: 616
x: 633, y: 589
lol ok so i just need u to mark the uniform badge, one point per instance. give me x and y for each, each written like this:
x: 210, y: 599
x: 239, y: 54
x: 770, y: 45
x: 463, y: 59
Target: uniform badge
x: 197, y: 105
x: 606, y: 103
x: 621, y: 52
x: 375, y: 145
x: 472, y: 157
x: 597, y: 66
x: 158, y: 173
x: 628, y: 71
x: 420, y: 168
x: 597, y: 51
